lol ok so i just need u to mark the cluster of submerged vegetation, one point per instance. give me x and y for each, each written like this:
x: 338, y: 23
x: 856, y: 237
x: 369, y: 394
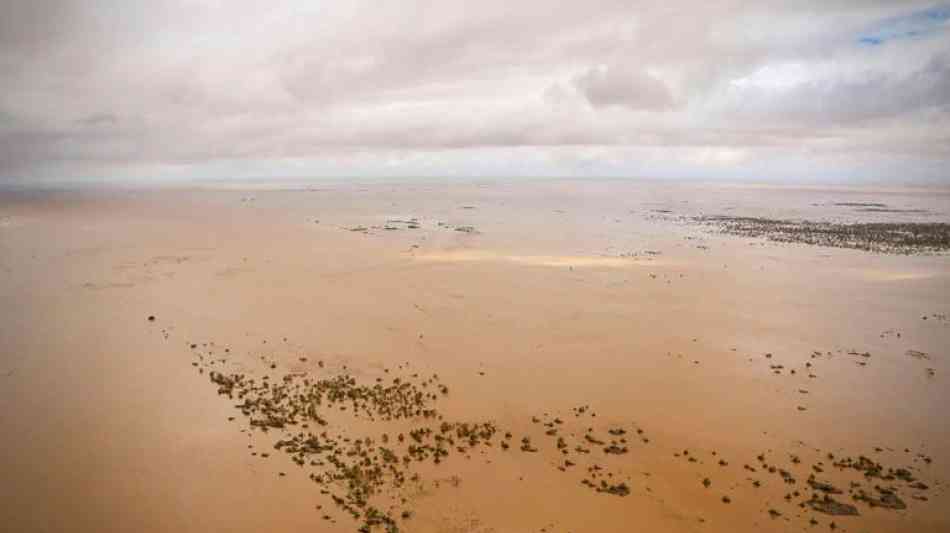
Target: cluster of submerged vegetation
x: 882, y: 237
x: 401, y: 432
x: 354, y: 470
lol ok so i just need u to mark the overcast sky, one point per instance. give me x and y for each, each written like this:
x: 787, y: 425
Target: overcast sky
x: 719, y: 89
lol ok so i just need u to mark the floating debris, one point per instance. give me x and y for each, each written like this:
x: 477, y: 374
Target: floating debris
x: 827, y: 488
x: 620, y: 489
x: 829, y: 505
x: 882, y: 237
x: 887, y: 499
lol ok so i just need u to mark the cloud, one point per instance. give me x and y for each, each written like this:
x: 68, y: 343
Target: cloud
x: 917, y: 25
x: 98, y: 119
x: 89, y: 88
x: 861, y: 96
x: 619, y: 86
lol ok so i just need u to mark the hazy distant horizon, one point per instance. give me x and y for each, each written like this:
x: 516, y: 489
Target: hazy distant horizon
x: 310, y: 184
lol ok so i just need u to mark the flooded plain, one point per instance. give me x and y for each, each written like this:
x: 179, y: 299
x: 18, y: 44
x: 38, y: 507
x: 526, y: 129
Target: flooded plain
x: 550, y: 355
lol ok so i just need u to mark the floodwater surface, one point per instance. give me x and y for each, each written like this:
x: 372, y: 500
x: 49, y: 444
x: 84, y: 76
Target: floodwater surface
x: 723, y: 380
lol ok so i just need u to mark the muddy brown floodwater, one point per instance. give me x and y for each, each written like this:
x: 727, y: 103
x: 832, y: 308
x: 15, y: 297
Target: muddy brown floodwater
x: 558, y: 356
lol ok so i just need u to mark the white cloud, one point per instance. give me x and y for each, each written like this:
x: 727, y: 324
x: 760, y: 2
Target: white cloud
x: 202, y: 87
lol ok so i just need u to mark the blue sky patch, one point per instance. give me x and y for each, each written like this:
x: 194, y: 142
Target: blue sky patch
x: 912, y: 26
